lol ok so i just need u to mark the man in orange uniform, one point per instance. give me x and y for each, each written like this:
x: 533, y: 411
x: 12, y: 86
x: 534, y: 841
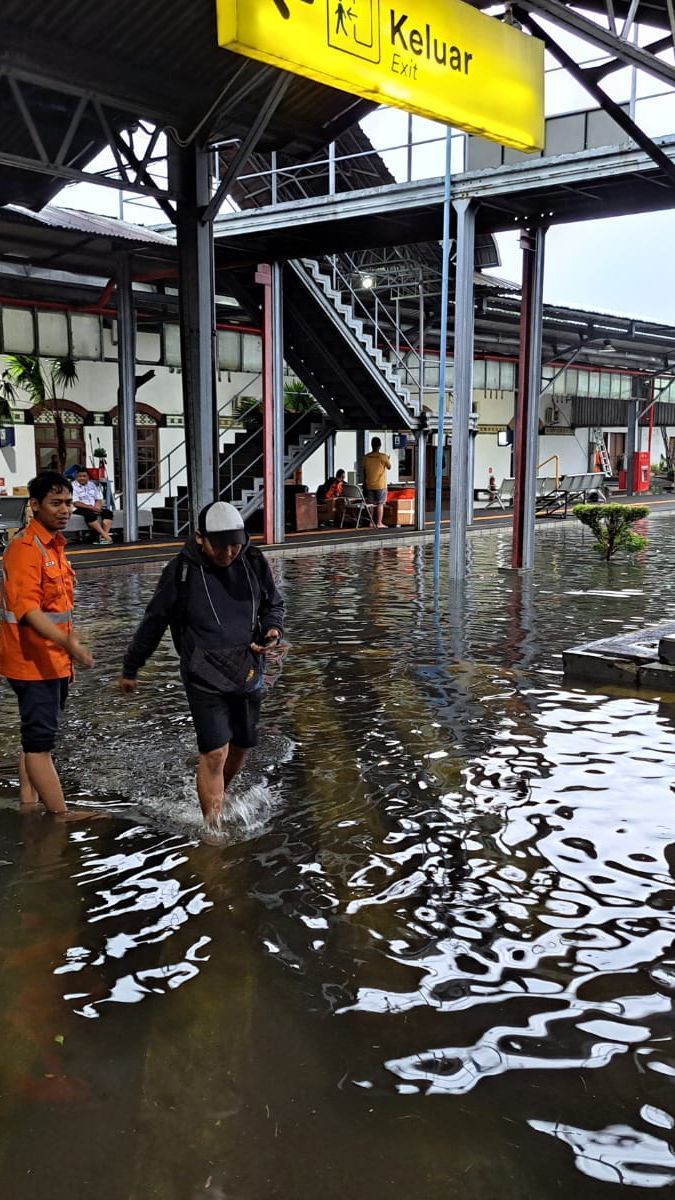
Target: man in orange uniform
x: 37, y: 640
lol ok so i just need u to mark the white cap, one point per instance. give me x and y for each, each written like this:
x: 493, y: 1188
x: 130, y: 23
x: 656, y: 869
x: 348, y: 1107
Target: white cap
x: 222, y: 519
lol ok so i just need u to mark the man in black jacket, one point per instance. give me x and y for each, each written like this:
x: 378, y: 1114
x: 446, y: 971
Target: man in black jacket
x: 220, y: 601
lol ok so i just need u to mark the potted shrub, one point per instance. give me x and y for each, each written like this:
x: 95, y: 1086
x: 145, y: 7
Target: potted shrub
x: 100, y: 456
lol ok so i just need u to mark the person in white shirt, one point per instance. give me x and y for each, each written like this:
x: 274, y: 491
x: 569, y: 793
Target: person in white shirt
x: 87, y: 502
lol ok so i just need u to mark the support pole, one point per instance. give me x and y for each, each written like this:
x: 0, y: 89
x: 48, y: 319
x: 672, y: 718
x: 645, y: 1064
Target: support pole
x: 278, y: 401
x: 189, y: 178
x: 471, y: 475
x: 632, y: 433
x: 269, y: 276
x: 126, y: 409
x: 527, y: 411
x: 329, y: 456
x: 421, y: 480
x: 466, y: 228
x: 443, y: 353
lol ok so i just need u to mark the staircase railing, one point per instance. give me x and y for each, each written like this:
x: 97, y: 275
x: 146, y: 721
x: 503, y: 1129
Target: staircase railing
x: 248, y: 469
x: 181, y: 446
x: 411, y: 378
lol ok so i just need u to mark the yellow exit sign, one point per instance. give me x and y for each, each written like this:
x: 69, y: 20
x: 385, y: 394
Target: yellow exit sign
x: 438, y: 58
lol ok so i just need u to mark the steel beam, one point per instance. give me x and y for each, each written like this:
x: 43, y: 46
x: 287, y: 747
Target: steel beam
x: 248, y: 144
x: 627, y: 52
x: 587, y: 81
x: 538, y: 182
x: 189, y: 177
x: 464, y: 283
x: 126, y: 408
x: 527, y: 407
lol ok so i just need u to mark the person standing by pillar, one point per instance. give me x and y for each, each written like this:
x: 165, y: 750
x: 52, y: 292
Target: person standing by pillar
x: 375, y: 467
x: 38, y: 644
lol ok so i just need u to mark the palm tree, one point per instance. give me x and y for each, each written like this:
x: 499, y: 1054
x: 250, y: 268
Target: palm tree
x: 45, y: 382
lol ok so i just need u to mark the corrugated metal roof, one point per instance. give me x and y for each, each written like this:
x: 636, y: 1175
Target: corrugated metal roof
x: 86, y: 223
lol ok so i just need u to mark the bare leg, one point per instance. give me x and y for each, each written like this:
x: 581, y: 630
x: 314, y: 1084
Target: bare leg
x: 236, y: 757
x: 27, y: 793
x: 379, y: 511
x: 106, y: 526
x: 96, y: 527
x: 43, y: 778
x: 210, y: 786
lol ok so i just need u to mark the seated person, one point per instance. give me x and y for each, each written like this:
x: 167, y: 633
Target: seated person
x: 332, y: 488
x: 88, y: 504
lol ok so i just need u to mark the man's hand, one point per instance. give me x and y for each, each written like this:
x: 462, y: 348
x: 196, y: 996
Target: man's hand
x: 272, y: 638
x: 127, y: 686
x: 79, y: 653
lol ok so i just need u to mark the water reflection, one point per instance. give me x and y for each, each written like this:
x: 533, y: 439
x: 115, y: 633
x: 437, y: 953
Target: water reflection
x: 434, y: 948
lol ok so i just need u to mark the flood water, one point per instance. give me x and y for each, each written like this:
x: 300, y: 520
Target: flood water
x: 432, y: 954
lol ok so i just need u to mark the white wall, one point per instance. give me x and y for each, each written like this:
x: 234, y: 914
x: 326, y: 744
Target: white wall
x: 17, y: 463
x: 491, y: 459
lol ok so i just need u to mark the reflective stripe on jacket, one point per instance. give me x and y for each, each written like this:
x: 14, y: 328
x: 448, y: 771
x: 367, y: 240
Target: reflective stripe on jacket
x: 35, y: 575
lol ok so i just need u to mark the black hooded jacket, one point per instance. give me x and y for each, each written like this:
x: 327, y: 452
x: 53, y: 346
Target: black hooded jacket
x: 207, y: 607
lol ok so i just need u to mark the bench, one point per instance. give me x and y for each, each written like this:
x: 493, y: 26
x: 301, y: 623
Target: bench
x: 78, y: 525
x: 572, y: 488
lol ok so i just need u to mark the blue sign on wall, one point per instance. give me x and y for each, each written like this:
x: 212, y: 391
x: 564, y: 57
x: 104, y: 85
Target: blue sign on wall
x: 7, y: 436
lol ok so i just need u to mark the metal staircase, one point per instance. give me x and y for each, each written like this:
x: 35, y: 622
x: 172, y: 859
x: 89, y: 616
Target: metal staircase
x: 241, y: 481
x: 357, y: 383
x: 387, y: 371
x: 240, y: 484
x: 599, y: 443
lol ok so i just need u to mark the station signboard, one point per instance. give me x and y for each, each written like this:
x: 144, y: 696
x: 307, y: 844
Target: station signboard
x: 441, y: 59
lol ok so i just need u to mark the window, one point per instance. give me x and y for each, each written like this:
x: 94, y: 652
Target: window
x: 46, y: 447
x: 147, y: 453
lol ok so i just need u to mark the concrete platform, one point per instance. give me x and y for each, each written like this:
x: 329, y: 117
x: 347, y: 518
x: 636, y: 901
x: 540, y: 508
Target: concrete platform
x: 324, y: 540
x: 630, y: 660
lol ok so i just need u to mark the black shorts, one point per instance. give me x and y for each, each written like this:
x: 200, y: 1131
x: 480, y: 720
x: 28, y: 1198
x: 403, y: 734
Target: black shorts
x: 223, y: 718
x: 41, y: 702
x: 103, y: 514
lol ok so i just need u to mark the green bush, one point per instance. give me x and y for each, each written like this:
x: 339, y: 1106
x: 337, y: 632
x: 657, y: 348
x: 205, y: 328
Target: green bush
x: 610, y: 523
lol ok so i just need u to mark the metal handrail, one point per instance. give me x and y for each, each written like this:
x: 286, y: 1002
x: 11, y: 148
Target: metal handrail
x: 247, y: 468
x: 381, y: 304
x: 400, y: 363
x: 552, y: 458
x: 181, y: 445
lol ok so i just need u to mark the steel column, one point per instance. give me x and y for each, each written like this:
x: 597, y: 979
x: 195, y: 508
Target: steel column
x: 527, y: 405
x: 329, y: 455
x: 189, y: 177
x: 466, y: 229
x: 471, y: 474
x: 278, y: 400
x: 126, y: 409
x: 632, y: 433
x: 269, y: 276
x: 443, y: 353
x: 421, y: 479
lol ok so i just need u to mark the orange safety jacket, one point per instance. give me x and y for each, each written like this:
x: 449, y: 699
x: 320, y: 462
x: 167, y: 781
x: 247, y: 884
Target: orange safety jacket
x: 35, y: 575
